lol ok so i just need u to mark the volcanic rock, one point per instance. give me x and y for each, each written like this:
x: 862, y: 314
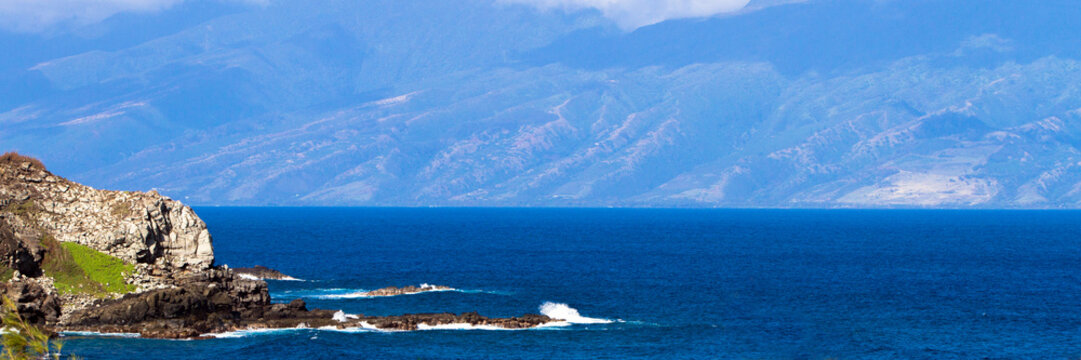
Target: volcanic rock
x: 261, y: 273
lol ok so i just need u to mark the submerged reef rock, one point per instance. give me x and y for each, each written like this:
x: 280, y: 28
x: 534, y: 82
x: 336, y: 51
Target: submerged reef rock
x: 74, y: 258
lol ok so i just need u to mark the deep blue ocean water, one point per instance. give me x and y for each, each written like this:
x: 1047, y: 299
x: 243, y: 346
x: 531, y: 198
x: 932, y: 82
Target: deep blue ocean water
x: 741, y: 284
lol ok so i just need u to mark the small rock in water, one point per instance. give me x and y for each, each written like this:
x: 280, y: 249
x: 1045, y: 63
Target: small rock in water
x: 394, y: 290
x: 259, y: 272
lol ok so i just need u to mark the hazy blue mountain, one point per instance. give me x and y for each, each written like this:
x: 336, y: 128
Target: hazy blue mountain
x: 851, y: 103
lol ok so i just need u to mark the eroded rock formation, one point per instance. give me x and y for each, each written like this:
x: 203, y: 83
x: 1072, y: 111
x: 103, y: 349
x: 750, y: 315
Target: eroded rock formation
x: 138, y: 227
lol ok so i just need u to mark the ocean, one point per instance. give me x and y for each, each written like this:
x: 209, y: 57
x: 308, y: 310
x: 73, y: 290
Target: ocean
x: 654, y: 283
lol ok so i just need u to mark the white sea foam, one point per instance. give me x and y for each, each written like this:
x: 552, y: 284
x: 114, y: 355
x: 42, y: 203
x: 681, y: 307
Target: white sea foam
x: 348, y: 329
x: 341, y: 316
x: 98, y: 334
x: 361, y: 294
x: 568, y: 314
x: 363, y: 328
x: 331, y: 293
x: 253, y: 277
x: 249, y: 332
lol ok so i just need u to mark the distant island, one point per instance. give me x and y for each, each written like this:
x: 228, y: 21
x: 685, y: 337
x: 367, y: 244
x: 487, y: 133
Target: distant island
x: 81, y: 259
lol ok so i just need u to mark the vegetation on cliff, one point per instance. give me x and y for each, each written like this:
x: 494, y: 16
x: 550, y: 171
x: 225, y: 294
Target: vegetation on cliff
x: 79, y: 269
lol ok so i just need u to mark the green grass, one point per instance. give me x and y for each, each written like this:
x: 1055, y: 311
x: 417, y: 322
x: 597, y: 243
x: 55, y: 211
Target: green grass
x: 79, y: 269
x: 6, y: 273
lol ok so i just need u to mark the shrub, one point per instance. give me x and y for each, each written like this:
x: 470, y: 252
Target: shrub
x: 24, y: 341
x: 14, y: 157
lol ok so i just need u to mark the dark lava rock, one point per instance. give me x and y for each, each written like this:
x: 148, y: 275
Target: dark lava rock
x: 217, y: 301
x: 34, y: 303
x: 18, y: 253
x: 394, y: 290
x: 412, y: 322
x: 262, y: 272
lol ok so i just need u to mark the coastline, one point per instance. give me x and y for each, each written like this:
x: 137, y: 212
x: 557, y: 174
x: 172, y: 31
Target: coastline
x: 164, y: 281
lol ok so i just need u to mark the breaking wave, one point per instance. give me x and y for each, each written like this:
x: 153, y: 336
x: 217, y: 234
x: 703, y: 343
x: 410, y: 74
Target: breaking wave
x: 568, y: 314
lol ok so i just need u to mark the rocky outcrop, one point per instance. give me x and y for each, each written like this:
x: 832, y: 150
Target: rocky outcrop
x: 211, y: 301
x: 418, y: 321
x: 259, y: 272
x: 20, y: 255
x: 218, y: 301
x: 138, y: 227
x: 35, y: 300
x: 395, y: 291
x: 179, y: 292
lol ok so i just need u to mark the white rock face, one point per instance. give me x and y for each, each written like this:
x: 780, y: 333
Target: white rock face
x: 924, y: 189
x: 138, y: 227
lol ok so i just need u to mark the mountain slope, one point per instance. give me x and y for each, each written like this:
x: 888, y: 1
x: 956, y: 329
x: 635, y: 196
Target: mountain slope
x: 482, y: 104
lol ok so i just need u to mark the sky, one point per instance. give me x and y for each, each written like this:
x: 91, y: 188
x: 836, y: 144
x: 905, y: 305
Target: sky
x: 43, y: 15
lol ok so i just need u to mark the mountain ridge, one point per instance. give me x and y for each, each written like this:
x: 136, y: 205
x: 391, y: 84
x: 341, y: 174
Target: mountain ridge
x: 379, y: 110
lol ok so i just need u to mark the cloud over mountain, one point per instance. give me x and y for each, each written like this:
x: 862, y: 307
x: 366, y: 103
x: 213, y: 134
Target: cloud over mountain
x: 35, y: 15
x: 632, y: 14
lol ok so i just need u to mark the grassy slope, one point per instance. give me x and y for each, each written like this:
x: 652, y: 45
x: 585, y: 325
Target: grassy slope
x: 79, y: 269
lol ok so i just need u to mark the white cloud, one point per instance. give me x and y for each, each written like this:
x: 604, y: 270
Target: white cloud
x: 38, y: 15
x: 632, y: 14
x: 986, y: 41
x: 35, y: 15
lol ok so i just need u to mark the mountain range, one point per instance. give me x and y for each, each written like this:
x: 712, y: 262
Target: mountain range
x: 820, y: 103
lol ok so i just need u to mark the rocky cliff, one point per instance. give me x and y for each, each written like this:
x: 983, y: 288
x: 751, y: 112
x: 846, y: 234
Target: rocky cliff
x: 137, y: 227
x: 77, y: 258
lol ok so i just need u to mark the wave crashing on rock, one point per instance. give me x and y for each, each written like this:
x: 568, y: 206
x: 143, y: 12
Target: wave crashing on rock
x: 561, y: 311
